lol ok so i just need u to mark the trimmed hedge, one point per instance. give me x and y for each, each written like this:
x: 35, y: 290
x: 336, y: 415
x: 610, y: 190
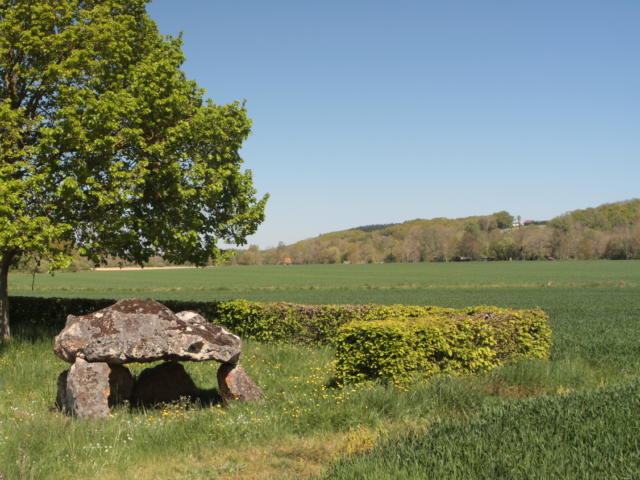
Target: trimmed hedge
x: 307, y: 324
x: 372, y: 341
x: 456, y: 341
x: 265, y: 322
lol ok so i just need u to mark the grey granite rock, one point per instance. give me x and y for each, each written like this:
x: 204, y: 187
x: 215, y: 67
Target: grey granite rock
x: 83, y: 390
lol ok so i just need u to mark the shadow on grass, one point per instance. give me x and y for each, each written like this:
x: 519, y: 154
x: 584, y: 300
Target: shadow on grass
x: 333, y: 384
x: 205, y: 398
x: 208, y: 398
x: 28, y: 334
x: 33, y: 333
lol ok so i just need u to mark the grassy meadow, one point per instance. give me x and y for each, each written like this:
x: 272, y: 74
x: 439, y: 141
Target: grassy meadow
x: 574, y: 416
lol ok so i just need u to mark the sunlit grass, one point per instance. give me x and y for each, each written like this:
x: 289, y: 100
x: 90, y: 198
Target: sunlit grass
x: 300, y: 407
x: 304, y: 423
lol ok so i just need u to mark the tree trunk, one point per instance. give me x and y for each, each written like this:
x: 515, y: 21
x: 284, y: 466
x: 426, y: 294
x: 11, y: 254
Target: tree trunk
x: 5, y: 262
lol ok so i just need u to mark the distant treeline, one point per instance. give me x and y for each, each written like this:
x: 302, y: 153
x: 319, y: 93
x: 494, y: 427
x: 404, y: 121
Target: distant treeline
x: 610, y: 231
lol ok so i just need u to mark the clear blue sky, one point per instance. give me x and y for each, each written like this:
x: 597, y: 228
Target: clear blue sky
x: 370, y: 111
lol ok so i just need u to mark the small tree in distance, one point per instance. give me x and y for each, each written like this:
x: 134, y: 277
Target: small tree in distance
x: 106, y: 147
x: 503, y: 219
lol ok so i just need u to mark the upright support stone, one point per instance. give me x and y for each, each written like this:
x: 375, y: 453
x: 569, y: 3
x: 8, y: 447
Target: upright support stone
x: 87, y: 390
x: 86, y: 393
x: 235, y: 384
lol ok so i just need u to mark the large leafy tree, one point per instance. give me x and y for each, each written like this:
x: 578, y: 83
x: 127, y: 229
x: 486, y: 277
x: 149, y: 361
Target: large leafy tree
x: 106, y: 147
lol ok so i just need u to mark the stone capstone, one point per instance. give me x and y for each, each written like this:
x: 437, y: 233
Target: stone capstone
x: 167, y: 382
x: 135, y: 330
x: 191, y: 317
x: 235, y: 384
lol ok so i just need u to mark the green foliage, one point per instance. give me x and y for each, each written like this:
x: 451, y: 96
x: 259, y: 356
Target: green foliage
x: 622, y: 248
x: 470, y: 245
x: 608, y: 216
x: 518, y: 333
x: 468, y: 340
x: 503, y: 219
x: 35, y: 314
x: 581, y: 234
x: 393, y: 350
x: 373, y: 228
x: 505, y: 248
x: 107, y: 147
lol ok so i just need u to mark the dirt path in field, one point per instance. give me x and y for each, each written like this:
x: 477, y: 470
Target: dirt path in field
x: 113, y: 269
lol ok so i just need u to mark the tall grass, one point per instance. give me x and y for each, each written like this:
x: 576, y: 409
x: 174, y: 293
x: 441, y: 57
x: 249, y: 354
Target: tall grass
x: 530, y: 419
x: 585, y: 435
x: 301, y: 405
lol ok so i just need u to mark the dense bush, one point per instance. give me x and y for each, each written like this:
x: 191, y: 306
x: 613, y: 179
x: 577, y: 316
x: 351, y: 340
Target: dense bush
x: 458, y: 341
x: 394, y: 349
x: 310, y: 324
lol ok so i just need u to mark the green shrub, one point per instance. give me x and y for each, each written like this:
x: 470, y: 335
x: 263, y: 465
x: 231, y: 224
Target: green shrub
x: 515, y: 333
x: 455, y: 341
x: 307, y: 324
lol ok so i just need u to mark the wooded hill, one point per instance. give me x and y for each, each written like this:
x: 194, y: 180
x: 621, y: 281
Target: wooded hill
x: 610, y: 231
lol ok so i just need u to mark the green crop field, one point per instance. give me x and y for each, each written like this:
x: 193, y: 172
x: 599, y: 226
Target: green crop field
x: 574, y: 416
x: 384, y: 283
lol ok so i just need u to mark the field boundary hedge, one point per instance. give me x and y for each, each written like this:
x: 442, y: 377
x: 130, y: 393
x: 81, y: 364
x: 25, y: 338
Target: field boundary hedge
x: 262, y: 321
x: 405, y: 338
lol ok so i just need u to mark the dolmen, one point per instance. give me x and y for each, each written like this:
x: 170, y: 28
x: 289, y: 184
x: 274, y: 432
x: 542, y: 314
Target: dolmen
x: 99, y: 344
